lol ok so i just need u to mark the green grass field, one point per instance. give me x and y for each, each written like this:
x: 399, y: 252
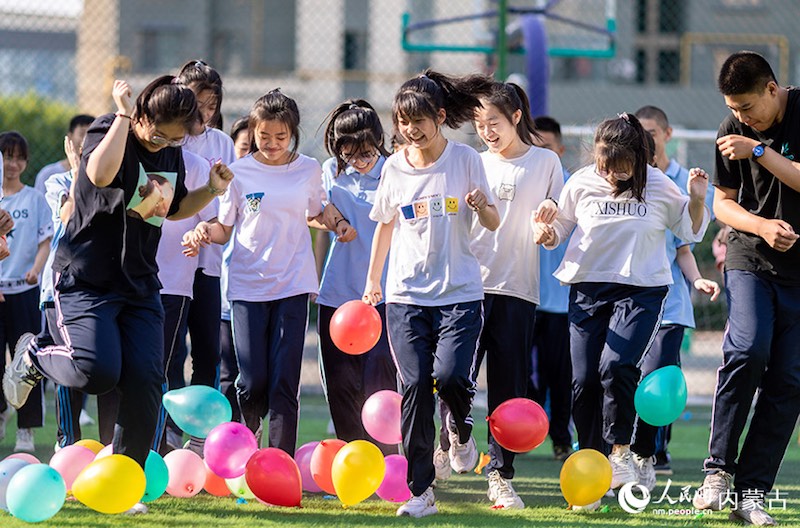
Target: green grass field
x: 462, y: 501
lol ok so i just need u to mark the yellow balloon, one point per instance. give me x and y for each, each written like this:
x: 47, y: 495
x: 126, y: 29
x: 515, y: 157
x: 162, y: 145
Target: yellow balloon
x: 358, y: 470
x: 585, y: 477
x: 110, y: 485
x: 93, y: 445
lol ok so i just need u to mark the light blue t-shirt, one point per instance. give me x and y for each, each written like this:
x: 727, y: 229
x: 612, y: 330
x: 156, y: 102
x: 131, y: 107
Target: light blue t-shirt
x: 56, y: 187
x: 346, y: 266
x: 553, y: 296
x: 32, y: 225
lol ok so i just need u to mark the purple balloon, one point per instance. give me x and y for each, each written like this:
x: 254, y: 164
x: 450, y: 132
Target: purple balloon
x: 227, y: 449
x: 394, y: 487
x: 9, y: 468
x: 303, y: 458
x: 381, y: 416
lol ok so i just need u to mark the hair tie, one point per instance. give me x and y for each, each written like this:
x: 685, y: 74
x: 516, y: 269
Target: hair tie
x: 423, y: 76
x: 200, y: 64
x: 274, y: 91
x: 353, y: 106
x: 625, y: 116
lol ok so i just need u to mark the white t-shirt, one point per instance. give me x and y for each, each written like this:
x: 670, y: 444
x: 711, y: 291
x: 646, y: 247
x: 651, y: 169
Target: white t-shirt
x: 32, y: 226
x: 175, y: 270
x: 509, y: 257
x: 213, y: 145
x: 430, y: 263
x: 621, y: 240
x: 268, y: 205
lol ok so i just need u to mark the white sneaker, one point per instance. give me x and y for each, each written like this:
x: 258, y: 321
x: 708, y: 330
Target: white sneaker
x: 502, y: 493
x: 5, y: 416
x: 419, y: 506
x: 20, y: 376
x: 441, y: 463
x: 754, y: 515
x: 622, y: 468
x: 463, y: 457
x: 589, y: 507
x: 710, y: 495
x: 84, y: 419
x: 645, y: 471
x: 24, y: 441
x: 174, y: 439
x: 138, y: 509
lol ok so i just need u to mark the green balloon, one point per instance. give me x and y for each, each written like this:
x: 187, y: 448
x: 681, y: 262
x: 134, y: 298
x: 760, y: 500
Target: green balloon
x: 156, y: 475
x: 660, y: 398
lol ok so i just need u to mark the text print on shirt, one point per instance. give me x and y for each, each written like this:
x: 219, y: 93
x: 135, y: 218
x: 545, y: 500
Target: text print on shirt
x: 628, y: 208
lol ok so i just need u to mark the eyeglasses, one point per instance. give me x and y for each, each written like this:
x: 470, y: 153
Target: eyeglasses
x: 363, y: 158
x: 160, y: 141
x: 616, y: 174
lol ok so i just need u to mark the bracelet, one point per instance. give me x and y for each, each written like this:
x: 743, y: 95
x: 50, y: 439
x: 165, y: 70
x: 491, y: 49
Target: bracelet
x: 342, y: 219
x: 553, y: 200
x: 120, y: 114
x: 213, y: 190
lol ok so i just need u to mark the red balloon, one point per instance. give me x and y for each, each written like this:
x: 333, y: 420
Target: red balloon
x: 355, y: 327
x: 519, y: 425
x: 273, y: 477
x: 322, y: 462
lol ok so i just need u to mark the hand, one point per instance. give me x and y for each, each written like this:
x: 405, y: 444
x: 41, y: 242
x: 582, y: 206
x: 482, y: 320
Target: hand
x: 73, y: 154
x: 373, y: 294
x: 543, y: 233
x: 476, y: 199
x: 4, y: 252
x: 220, y: 176
x: 697, y: 186
x: 31, y: 277
x: 345, y: 232
x: 778, y: 234
x: 193, y: 240
x: 6, y: 222
x: 546, y: 212
x: 331, y: 215
x: 122, y: 95
x: 707, y: 286
x: 736, y: 147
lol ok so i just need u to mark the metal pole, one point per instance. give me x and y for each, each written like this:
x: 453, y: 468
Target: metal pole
x: 502, y: 45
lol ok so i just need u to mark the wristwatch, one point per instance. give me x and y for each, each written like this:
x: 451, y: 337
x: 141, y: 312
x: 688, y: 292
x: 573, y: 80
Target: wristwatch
x: 759, y: 150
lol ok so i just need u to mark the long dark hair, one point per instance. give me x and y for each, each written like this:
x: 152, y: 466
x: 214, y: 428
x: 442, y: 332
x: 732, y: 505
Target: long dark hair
x: 621, y: 142
x: 199, y: 76
x: 275, y: 106
x: 508, y: 98
x: 355, y: 124
x: 167, y: 100
x: 431, y: 91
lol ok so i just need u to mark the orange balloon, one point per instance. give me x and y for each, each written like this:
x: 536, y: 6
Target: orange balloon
x: 355, y: 327
x: 322, y: 462
x: 215, y: 485
x: 93, y: 445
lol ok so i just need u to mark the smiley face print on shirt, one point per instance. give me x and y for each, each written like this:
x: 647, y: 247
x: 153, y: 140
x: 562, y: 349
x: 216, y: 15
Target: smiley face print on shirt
x: 451, y: 205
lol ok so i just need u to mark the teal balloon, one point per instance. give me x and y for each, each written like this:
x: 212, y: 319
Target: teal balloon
x: 660, y: 397
x: 36, y: 493
x: 197, y: 409
x: 156, y: 475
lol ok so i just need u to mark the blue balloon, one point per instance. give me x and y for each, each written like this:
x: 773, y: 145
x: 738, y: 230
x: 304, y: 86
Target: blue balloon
x: 156, y: 477
x: 36, y: 493
x: 197, y: 409
x: 661, y: 396
x: 8, y: 468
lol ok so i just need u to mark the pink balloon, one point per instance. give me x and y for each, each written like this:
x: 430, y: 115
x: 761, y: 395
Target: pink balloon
x: 187, y: 473
x: 69, y: 461
x: 27, y: 457
x: 227, y: 449
x: 394, y: 487
x: 381, y: 416
x: 106, y: 451
x: 303, y: 458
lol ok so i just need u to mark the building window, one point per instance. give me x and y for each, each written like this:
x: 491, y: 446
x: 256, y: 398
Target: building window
x: 659, y: 25
x: 161, y: 48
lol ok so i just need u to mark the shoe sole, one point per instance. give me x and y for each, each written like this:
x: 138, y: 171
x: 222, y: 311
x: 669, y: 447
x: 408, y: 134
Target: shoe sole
x: 431, y: 510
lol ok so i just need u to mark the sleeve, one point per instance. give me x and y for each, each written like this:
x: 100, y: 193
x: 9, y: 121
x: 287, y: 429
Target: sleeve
x: 678, y: 219
x: 95, y: 134
x: 567, y: 207
x: 180, y: 183
x: 477, y: 176
x: 229, y: 205
x: 328, y: 175
x: 56, y: 187
x: 44, y: 221
x: 316, y: 194
x: 384, y: 210
x: 556, y: 184
x: 727, y: 172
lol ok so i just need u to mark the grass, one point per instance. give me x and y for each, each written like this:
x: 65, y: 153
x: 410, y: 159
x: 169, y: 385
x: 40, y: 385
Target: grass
x: 461, y: 501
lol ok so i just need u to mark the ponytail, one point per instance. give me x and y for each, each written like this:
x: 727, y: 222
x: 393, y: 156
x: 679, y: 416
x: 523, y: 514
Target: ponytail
x: 167, y: 100
x: 622, y: 142
x: 356, y: 124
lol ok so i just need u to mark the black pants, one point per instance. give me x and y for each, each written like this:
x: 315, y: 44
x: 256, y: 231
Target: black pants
x: 349, y: 380
x: 228, y: 369
x: 552, y: 372
x: 433, y: 346
x: 269, y: 338
x: 176, y: 313
x: 110, y: 341
x: 204, y: 331
x: 666, y: 351
x: 611, y: 327
x: 506, y: 342
x: 20, y: 314
x: 761, y: 349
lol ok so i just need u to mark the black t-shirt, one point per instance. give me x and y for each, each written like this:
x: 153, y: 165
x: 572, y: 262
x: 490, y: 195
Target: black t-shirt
x: 762, y: 194
x: 111, y: 239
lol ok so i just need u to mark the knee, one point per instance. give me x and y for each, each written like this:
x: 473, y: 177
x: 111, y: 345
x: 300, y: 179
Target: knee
x: 453, y: 383
x: 100, y: 379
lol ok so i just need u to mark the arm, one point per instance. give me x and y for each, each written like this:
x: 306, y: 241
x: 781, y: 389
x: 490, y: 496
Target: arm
x: 738, y: 147
x: 68, y: 200
x: 778, y: 234
x: 698, y: 186
x: 335, y: 221
x: 381, y: 242
x: 487, y: 214
x: 32, y: 276
x: 104, y: 162
x: 688, y: 265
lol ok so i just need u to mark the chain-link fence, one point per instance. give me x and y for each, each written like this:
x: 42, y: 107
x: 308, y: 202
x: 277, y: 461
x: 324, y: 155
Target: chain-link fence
x: 605, y: 56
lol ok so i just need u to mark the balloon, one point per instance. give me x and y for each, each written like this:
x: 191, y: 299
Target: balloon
x: 27, y: 457
x: 585, y: 477
x: 69, y: 461
x: 273, y: 477
x: 661, y: 396
x: 90, y: 444
x: 110, y: 485
x: 8, y: 468
x: 187, y: 473
x: 394, y: 487
x: 239, y: 487
x: 227, y: 449
x: 106, y: 451
x: 357, y: 471
x: 215, y: 485
x: 35, y: 493
x: 322, y: 460
x: 381, y: 416
x: 156, y: 476
x: 197, y: 409
x: 303, y: 458
x: 355, y: 327
x: 519, y: 425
